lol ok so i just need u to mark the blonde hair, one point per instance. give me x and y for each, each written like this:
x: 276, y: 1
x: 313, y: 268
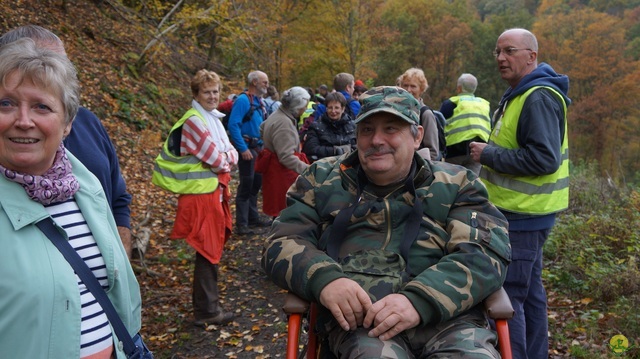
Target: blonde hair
x: 415, y: 73
x: 203, y: 77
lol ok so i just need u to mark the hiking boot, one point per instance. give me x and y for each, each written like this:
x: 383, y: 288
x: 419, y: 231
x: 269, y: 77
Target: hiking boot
x: 220, y: 319
x: 244, y: 230
x: 261, y: 222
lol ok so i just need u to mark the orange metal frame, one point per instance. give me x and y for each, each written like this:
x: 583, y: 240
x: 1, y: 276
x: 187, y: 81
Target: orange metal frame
x: 295, y: 326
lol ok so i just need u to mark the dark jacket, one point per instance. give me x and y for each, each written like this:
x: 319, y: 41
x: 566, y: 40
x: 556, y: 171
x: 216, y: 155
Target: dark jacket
x: 352, y: 109
x: 326, y: 137
x: 90, y: 143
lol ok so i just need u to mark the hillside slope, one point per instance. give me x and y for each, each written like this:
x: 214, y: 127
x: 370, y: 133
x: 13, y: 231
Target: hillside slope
x: 97, y: 39
x: 137, y: 107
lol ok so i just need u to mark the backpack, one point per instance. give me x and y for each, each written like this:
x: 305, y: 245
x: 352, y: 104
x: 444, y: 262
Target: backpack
x: 269, y: 106
x: 348, y: 109
x: 441, y: 123
x: 252, y: 108
x: 225, y: 108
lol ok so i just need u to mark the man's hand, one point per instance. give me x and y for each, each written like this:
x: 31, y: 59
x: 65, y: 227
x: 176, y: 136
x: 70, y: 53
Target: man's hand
x: 475, y: 150
x: 391, y: 316
x: 125, y: 237
x: 342, y: 149
x: 247, y: 155
x: 347, y: 301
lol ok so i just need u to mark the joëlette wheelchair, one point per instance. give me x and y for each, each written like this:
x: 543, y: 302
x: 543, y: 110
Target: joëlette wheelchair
x: 497, y: 305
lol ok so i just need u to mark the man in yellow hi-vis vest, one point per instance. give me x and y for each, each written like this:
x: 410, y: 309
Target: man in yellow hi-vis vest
x: 467, y: 121
x: 526, y: 172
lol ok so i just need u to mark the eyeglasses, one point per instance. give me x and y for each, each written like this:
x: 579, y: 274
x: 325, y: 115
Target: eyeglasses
x: 509, y: 51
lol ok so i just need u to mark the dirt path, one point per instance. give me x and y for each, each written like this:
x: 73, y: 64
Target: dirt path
x: 259, y: 327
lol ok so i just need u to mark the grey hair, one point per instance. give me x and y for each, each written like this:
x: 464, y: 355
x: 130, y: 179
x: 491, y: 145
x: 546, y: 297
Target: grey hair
x: 295, y: 99
x: 414, y: 130
x: 38, y: 33
x: 254, y: 76
x: 48, y: 69
x: 468, y: 83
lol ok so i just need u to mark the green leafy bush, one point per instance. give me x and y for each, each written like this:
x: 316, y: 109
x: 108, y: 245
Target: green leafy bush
x: 594, y: 247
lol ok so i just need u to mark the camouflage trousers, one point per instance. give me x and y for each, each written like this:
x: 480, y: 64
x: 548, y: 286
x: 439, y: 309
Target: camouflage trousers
x: 466, y: 336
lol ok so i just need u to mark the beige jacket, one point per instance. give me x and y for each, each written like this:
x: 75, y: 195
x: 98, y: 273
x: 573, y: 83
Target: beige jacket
x: 430, y: 139
x: 280, y: 136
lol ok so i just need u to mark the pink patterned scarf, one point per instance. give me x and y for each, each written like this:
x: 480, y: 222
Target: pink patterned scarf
x: 57, y: 185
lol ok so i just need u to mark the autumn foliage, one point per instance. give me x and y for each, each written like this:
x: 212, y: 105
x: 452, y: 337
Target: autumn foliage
x: 157, y: 44
x: 135, y: 59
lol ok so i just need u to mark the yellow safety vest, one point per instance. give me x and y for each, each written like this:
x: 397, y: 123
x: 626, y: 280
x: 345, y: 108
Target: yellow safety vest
x: 183, y: 174
x: 538, y: 195
x: 308, y: 112
x: 470, y: 119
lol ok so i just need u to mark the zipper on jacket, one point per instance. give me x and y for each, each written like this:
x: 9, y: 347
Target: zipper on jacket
x: 388, y: 215
x: 474, y: 224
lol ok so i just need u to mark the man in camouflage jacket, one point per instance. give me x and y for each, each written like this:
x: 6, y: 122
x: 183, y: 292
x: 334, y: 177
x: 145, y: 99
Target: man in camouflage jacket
x: 391, y: 285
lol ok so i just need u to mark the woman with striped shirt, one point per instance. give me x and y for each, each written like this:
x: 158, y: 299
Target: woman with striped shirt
x: 196, y: 163
x: 47, y: 311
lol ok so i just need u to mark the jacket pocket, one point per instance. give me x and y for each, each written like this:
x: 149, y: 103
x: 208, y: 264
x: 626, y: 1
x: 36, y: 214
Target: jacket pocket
x: 379, y: 272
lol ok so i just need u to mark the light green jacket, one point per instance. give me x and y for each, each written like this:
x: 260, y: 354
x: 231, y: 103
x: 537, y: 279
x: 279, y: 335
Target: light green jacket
x: 39, y: 297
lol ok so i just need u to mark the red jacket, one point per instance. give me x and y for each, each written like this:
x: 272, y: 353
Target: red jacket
x: 276, y: 180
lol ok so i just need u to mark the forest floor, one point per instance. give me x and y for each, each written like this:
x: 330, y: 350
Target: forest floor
x: 259, y: 327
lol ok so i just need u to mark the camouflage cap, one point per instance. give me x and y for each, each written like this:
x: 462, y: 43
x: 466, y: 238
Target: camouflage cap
x: 390, y: 99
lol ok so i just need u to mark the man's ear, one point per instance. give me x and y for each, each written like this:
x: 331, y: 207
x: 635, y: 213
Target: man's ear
x: 418, y: 139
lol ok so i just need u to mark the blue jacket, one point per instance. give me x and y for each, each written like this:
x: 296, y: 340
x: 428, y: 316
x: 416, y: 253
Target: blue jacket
x: 40, y: 300
x: 543, y: 75
x: 90, y: 143
x: 251, y: 128
x: 353, y: 104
